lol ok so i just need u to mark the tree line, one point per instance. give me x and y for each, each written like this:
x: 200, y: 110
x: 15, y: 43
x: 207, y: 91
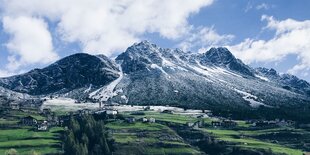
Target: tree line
x: 85, y: 135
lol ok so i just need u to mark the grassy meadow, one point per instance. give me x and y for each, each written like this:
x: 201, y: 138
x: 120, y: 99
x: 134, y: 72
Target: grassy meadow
x: 147, y: 138
x: 24, y: 139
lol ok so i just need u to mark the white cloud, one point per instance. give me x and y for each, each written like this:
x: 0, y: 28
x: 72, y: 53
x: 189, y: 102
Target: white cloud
x: 248, y: 7
x: 4, y: 73
x: 30, y: 42
x: 106, y: 26
x: 204, y: 37
x: 291, y: 37
x: 263, y: 6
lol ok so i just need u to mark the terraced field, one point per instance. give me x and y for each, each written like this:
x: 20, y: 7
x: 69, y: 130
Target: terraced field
x: 243, y: 139
x: 244, y: 136
x: 26, y: 140
x: 147, y: 138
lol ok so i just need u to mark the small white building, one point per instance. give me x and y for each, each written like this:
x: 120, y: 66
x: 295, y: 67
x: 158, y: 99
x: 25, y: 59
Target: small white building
x: 107, y: 111
x: 43, y: 126
x: 144, y: 120
x: 152, y: 120
x: 111, y: 112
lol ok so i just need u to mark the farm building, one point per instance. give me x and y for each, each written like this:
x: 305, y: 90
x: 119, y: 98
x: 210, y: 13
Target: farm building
x: 152, y: 120
x: 29, y: 120
x: 130, y: 120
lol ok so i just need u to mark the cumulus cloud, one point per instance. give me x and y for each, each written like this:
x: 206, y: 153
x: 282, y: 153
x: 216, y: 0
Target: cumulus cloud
x: 203, y: 37
x: 291, y: 37
x: 107, y: 26
x: 30, y: 42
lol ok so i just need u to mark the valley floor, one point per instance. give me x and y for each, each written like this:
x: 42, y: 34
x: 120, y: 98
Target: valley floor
x: 170, y: 133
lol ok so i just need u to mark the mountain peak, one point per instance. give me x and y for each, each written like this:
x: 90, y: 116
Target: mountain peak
x: 219, y: 55
x: 144, y: 45
x: 222, y: 57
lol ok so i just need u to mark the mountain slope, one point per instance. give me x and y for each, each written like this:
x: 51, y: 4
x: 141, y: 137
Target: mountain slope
x: 72, y: 72
x: 287, y: 81
x: 146, y: 74
x: 154, y: 75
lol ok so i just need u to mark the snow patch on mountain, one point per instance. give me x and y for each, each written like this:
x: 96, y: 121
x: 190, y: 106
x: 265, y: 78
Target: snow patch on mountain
x: 251, y: 98
x: 202, y: 71
x: 167, y: 63
x: 107, y: 91
x: 88, y: 89
x: 155, y: 66
x: 262, y: 78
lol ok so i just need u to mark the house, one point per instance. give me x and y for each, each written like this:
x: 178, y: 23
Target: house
x: 130, y: 119
x: 144, y: 120
x: 107, y: 111
x: 223, y: 123
x: 84, y: 112
x: 265, y: 124
x: 167, y: 112
x: 29, y: 120
x: 152, y: 120
x: 42, y: 126
x: 111, y: 112
x: 216, y: 123
x: 228, y: 123
x: 284, y: 123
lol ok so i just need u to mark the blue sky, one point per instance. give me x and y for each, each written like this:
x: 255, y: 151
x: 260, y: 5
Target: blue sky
x: 268, y: 33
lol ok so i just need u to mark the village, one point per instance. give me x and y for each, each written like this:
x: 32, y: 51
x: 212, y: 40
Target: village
x: 114, y: 109
x: 46, y: 120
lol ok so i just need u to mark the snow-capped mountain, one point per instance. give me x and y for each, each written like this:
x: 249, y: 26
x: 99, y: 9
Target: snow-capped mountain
x: 150, y: 75
x: 154, y: 75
